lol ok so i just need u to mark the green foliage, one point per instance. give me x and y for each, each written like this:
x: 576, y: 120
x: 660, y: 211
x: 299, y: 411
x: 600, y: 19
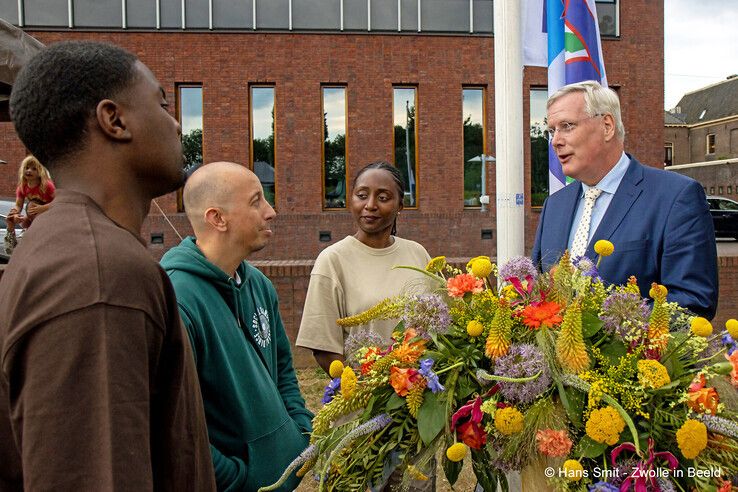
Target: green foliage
x: 431, y: 418
x: 192, y: 147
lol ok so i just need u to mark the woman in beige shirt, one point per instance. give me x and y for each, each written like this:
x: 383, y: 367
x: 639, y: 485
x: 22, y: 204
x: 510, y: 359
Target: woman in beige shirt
x: 357, y: 272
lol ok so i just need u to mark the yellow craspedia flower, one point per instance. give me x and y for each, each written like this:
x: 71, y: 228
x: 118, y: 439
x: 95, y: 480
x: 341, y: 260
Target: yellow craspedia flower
x: 471, y: 262
x: 657, y: 290
x: 474, y: 328
x: 508, y: 421
x: 652, y: 374
x: 481, y: 268
x: 692, y: 438
x: 336, y: 369
x: 348, y: 382
x: 604, y: 247
x: 574, y: 470
x: 457, y: 452
x: 436, y: 264
x: 701, y: 327
x: 605, y: 425
x: 732, y: 326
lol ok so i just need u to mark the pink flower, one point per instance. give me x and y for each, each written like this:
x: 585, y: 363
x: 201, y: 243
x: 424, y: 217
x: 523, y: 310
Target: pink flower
x: 461, y: 284
x: 553, y: 443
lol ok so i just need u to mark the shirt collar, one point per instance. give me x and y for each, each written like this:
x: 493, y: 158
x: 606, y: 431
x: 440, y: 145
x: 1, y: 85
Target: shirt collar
x: 611, y: 181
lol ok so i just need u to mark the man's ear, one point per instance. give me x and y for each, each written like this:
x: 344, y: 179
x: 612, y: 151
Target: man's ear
x: 111, y: 121
x: 214, y: 217
x: 609, y: 125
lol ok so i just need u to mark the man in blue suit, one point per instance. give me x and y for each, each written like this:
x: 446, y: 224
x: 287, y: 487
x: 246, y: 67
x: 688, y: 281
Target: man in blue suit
x: 658, y: 221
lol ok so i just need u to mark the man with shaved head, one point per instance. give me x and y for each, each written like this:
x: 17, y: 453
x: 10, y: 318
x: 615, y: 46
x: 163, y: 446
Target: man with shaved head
x: 256, y: 416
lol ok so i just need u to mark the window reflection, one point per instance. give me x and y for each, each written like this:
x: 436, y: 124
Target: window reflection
x: 262, y: 138
x: 473, y: 114
x: 334, y: 147
x: 405, y: 138
x: 189, y: 110
x: 538, y: 147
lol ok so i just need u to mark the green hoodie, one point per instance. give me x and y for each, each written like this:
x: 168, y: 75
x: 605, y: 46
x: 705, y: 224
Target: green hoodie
x: 256, y: 416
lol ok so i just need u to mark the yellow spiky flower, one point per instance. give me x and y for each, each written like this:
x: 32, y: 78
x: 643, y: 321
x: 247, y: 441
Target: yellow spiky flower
x: 570, y: 348
x: 387, y: 309
x: 658, y: 323
x: 632, y: 286
x: 500, y: 331
x: 415, y: 398
x: 562, y: 285
x: 340, y: 406
x: 348, y: 382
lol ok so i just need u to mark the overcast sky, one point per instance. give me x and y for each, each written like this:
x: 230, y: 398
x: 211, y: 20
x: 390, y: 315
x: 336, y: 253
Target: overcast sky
x: 700, y: 45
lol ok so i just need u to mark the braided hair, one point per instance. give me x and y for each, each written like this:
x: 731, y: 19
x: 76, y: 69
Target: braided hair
x: 396, y: 176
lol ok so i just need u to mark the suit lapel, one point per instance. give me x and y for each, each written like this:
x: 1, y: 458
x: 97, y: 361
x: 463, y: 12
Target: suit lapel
x: 628, y: 191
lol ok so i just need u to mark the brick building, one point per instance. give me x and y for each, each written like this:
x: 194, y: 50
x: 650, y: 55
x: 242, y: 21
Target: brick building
x: 703, y: 126
x: 308, y: 91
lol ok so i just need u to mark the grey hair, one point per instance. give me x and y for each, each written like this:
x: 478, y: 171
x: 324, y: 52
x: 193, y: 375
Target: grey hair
x: 598, y: 100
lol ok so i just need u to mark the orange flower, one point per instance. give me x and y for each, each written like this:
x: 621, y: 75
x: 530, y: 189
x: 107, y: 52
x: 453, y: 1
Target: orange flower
x: 369, y: 359
x: 403, y: 380
x: 703, y: 400
x: 409, y: 352
x: 733, y: 359
x: 553, y: 443
x: 542, y: 315
x: 461, y: 284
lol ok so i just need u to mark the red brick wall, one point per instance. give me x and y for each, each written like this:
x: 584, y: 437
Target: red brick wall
x: 226, y: 63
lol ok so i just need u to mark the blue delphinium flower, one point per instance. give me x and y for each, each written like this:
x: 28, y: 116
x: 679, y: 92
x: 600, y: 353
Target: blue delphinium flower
x: 729, y: 343
x: 603, y: 487
x: 330, y: 390
x: 431, y: 377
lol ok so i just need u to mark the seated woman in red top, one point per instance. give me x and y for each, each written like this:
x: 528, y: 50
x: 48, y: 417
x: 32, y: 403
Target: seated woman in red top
x: 34, y: 188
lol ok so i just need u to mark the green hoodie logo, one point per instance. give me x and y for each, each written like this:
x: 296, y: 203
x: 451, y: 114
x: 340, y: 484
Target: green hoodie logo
x: 260, y: 327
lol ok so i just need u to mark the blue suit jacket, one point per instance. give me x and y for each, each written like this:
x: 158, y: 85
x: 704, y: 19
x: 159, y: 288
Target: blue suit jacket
x: 660, y: 224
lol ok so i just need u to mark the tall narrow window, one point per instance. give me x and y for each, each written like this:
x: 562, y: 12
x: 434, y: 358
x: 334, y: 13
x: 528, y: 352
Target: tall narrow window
x: 473, y: 121
x: 710, y: 143
x: 668, y: 154
x: 334, y: 147
x: 262, y: 138
x: 189, y: 113
x: 405, y: 139
x: 538, y: 147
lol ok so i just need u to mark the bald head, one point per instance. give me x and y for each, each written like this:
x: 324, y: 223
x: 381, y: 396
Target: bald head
x: 214, y: 185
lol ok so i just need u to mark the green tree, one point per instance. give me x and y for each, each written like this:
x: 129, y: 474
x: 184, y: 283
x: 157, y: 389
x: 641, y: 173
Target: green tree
x: 192, y: 147
x: 473, y: 147
x: 538, y: 165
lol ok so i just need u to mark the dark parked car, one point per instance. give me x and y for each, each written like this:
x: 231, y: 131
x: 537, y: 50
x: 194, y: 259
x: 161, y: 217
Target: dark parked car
x: 724, y: 213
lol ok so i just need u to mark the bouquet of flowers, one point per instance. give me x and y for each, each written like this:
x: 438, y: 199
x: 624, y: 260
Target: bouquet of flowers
x: 576, y: 384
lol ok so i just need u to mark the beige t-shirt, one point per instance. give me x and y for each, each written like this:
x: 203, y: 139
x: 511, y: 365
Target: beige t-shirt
x: 348, y: 278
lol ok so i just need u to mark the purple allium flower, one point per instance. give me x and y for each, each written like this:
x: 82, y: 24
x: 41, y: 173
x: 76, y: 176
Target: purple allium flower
x: 602, y: 487
x: 518, y: 267
x: 523, y: 360
x: 330, y: 390
x: 360, y: 339
x: 431, y: 377
x: 665, y: 484
x: 625, y: 314
x: 427, y: 313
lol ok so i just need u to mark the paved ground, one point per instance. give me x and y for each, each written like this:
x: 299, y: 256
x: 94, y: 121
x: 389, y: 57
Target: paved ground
x: 727, y: 247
